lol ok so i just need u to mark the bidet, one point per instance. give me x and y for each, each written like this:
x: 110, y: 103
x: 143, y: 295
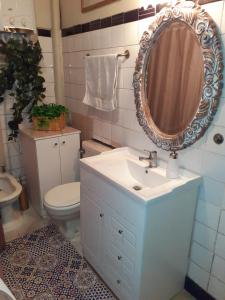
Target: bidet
x: 10, y: 190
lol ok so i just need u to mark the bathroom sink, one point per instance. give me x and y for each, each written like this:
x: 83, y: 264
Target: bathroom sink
x: 122, y: 167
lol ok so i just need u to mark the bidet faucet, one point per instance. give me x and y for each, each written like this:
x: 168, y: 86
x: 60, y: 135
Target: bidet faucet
x: 151, y: 158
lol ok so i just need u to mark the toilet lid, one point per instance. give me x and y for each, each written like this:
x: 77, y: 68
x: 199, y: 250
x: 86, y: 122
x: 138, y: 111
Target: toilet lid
x: 63, y: 195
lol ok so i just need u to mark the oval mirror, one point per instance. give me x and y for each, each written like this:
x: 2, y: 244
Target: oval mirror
x: 178, y: 76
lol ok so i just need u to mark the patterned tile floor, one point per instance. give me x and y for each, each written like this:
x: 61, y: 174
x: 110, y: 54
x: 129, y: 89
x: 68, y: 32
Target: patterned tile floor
x: 44, y: 265
x: 31, y: 221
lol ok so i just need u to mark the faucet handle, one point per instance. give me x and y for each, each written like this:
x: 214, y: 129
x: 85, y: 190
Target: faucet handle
x: 151, y: 154
x: 148, y: 152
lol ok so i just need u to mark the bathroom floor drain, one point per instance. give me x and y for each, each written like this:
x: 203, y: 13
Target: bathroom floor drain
x: 137, y: 188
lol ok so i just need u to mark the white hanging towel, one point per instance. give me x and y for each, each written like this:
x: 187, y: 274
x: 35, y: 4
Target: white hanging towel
x: 101, y: 72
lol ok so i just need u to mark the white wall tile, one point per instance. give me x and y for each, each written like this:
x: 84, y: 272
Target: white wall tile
x: 198, y: 275
x: 117, y: 35
x: 49, y: 99
x: 208, y: 214
x: 126, y: 99
x: 213, y: 166
x: 223, y: 20
x: 85, y: 41
x: 212, y: 191
x: 215, y: 10
x: 222, y: 222
x: 47, y: 61
x: 14, y: 148
x: 102, y: 131
x: 131, y: 33
x: 50, y: 89
x: 77, y: 76
x: 77, y: 91
x: 128, y: 78
x: 130, y: 63
x: 46, y: 44
x: 191, y: 159
x: 143, y: 26
x: 48, y: 74
x: 76, y: 42
x: 15, y: 162
x: 210, y: 144
x: 216, y: 288
x: 220, y: 245
x: 223, y: 45
x: 218, y: 268
x: 105, y: 38
x: 95, y: 39
x: 204, y: 235
x: 219, y: 119
x: 201, y: 256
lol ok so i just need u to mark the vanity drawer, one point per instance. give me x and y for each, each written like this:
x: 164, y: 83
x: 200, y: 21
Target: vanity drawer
x: 120, y: 263
x: 121, y: 288
x: 121, y: 237
x: 120, y: 232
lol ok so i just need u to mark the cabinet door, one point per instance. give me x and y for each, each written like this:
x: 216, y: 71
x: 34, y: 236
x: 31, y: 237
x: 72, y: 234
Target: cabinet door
x: 70, y: 155
x: 92, y: 219
x: 48, y: 164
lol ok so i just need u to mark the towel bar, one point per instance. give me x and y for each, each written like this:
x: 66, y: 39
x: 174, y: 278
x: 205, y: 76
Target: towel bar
x: 126, y: 54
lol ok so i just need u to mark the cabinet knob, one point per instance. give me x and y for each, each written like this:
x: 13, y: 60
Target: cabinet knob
x: 119, y: 257
x: 101, y: 215
x: 120, y: 231
x: 63, y: 142
x: 56, y: 144
x: 118, y: 281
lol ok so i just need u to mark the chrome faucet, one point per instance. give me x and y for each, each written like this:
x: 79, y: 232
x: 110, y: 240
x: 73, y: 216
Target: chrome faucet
x: 151, y: 158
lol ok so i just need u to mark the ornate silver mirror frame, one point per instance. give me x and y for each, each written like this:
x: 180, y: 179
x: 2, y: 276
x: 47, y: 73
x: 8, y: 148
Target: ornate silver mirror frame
x: 206, y: 32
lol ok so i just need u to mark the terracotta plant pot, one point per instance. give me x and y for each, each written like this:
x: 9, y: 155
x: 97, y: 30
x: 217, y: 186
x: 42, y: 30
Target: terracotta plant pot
x: 44, y: 123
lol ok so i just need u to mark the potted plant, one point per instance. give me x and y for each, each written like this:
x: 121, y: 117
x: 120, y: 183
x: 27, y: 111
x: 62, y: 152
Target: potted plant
x: 50, y: 117
x: 21, y: 75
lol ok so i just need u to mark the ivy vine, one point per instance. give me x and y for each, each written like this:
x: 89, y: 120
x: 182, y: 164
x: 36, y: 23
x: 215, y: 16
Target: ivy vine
x: 21, y: 75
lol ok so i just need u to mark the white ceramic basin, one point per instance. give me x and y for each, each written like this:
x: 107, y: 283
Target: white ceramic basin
x: 5, y: 293
x: 122, y: 166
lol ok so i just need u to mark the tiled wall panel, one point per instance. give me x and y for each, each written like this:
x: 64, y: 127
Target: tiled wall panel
x: 120, y: 127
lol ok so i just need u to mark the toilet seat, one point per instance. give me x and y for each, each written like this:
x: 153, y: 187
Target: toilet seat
x: 63, y: 196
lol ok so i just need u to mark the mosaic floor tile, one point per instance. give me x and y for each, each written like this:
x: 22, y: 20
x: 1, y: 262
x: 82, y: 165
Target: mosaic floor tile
x: 43, y: 265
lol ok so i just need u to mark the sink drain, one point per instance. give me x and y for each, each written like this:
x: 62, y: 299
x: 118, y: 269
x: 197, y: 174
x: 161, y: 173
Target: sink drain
x: 137, y: 188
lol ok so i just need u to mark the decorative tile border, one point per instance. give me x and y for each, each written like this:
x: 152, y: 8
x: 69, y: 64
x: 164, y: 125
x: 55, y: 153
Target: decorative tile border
x: 44, y: 32
x: 196, y: 291
x: 118, y: 19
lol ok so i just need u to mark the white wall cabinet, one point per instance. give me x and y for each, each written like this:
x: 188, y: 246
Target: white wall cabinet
x: 139, y: 249
x: 49, y: 160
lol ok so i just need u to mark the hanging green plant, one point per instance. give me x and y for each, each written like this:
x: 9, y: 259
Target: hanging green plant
x: 21, y: 75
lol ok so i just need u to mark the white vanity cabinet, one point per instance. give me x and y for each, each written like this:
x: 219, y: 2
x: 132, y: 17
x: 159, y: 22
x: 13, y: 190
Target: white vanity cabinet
x: 49, y: 159
x: 140, y: 249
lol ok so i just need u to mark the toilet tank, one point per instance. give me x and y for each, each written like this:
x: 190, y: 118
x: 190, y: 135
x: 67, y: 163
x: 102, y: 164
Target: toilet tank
x: 93, y: 147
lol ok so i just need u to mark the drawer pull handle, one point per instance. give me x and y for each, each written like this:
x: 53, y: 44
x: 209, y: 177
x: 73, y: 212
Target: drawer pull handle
x: 101, y: 215
x: 119, y: 257
x: 118, y: 281
x: 120, y: 231
x: 56, y: 144
x: 63, y: 142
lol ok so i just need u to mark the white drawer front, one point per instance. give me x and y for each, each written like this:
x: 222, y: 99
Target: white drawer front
x: 120, y: 263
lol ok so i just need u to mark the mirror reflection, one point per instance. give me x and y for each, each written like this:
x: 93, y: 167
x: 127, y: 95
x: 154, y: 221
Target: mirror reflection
x: 175, y: 74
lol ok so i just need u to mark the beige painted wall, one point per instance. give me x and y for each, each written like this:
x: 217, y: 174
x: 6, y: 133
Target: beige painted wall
x: 43, y: 13
x: 71, y: 11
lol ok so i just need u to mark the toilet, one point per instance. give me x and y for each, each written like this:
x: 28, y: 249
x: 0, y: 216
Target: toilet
x: 62, y: 202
